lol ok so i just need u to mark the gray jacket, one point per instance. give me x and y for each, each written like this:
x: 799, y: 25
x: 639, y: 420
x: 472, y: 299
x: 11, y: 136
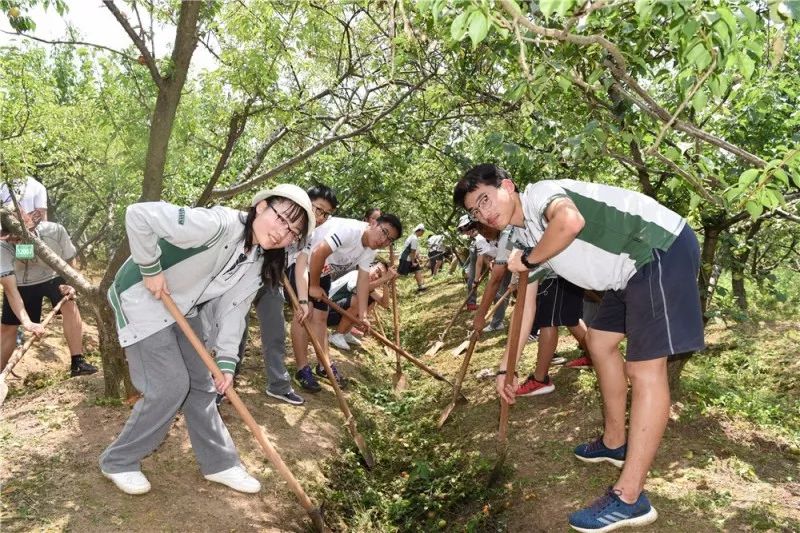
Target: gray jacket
x: 192, y: 247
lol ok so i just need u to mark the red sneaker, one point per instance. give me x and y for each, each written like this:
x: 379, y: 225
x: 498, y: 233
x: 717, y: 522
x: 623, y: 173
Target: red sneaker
x: 580, y: 362
x: 531, y: 387
x: 472, y: 307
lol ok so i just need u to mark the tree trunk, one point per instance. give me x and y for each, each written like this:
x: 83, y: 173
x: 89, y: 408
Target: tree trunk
x: 115, y: 369
x: 674, y: 370
x: 737, y: 283
x: 707, y: 257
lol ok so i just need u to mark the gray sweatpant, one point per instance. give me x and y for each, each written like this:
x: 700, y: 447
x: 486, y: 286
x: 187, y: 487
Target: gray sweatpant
x: 171, y: 376
x: 497, y: 319
x: 269, y: 309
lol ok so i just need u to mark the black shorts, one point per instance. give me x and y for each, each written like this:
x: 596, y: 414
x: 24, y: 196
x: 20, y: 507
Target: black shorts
x: 324, y: 282
x: 406, y: 267
x: 558, y: 303
x: 32, y: 296
x: 333, y: 315
x: 659, y: 309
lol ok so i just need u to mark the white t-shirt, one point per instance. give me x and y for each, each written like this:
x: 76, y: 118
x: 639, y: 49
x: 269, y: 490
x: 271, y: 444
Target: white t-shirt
x: 345, y: 284
x: 622, y: 229
x: 436, y: 243
x: 485, y: 247
x: 412, y: 242
x: 343, y: 235
x: 30, y: 194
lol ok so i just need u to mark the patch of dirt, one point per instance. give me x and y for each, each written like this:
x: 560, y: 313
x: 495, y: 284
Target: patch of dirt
x: 50, y: 441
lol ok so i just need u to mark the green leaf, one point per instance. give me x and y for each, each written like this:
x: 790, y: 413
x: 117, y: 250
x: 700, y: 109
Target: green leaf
x: 748, y: 177
x: 754, y: 208
x: 796, y: 178
x: 644, y: 8
x: 726, y: 15
x: 781, y: 176
x: 694, y: 201
x: 750, y: 16
x: 699, y: 100
x: 746, y: 65
x: 548, y: 7
x: 564, y: 83
x: 458, y: 29
x: 478, y: 27
x: 699, y: 56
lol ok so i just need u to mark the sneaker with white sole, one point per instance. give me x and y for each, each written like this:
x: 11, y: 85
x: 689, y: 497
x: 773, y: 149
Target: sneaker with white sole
x: 289, y: 397
x: 609, y: 512
x: 338, y: 340
x: 132, y: 482
x: 534, y: 387
x: 490, y: 328
x: 236, y: 478
x: 352, y: 339
x: 597, y: 452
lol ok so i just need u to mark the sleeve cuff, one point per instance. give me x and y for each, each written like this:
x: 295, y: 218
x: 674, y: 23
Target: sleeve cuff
x: 227, y: 366
x: 151, y: 269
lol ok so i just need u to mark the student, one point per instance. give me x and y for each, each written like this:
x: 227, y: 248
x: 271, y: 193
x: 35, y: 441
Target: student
x: 339, y: 246
x: 558, y: 303
x: 409, y: 258
x: 212, y: 262
x: 372, y: 215
x: 31, y: 196
x: 324, y: 202
x: 342, y: 291
x: 26, y: 282
x: 436, y: 251
x: 632, y: 244
x: 493, y: 255
x: 467, y: 229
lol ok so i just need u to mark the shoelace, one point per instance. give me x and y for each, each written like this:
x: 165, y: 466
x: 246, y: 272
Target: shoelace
x: 596, y: 445
x: 601, y: 504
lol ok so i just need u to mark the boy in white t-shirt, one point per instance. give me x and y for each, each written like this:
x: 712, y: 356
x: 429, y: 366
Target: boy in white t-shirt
x: 342, y: 292
x: 31, y: 196
x: 336, y: 248
x: 409, y: 257
x: 646, y: 258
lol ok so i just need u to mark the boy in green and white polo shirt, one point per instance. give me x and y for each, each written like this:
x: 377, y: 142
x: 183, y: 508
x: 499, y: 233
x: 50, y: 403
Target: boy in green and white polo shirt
x: 647, y: 258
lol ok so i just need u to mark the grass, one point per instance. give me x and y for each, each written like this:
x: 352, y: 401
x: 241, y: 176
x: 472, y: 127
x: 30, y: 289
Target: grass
x: 721, y: 467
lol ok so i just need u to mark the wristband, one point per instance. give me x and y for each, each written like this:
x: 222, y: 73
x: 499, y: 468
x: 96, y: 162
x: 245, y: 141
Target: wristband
x: 524, y: 258
x: 301, y: 302
x: 504, y: 372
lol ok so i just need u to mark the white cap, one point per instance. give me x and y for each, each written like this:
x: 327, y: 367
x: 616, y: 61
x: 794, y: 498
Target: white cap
x: 420, y: 227
x: 293, y: 193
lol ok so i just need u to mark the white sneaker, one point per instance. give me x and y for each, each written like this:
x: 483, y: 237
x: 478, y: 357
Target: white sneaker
x: 236, y: 478
x: 352, y: 339
x: 129, y: 482
x: 338, y: 340
x: 490, y: 328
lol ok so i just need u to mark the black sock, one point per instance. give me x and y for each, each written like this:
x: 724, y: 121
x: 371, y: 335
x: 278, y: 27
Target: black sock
x: 77, y: 358
x: 545, y: 380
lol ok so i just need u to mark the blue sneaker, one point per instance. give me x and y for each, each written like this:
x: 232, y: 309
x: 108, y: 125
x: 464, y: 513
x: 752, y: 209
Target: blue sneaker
x: 290, y: 397
x: 307, y: 380
x: 597, y: 452
x: 609, y: 512
x: 340, y: 379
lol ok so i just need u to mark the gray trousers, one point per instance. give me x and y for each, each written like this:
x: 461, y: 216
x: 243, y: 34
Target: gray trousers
x: 269, y: 309
x: 471, y: 264
x: 497, y: 319
x: 171, y: 376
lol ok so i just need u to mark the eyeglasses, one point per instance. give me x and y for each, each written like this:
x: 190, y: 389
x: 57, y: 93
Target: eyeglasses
x: 286, y: 224
x: 481, y: 205
x: 386, y: 236
x: 321, y: 212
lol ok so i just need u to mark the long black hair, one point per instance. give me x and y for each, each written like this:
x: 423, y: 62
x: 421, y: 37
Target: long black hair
x: 274, y: 259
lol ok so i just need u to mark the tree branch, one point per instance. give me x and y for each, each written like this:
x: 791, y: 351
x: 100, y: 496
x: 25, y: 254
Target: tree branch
x: 150, y: 62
